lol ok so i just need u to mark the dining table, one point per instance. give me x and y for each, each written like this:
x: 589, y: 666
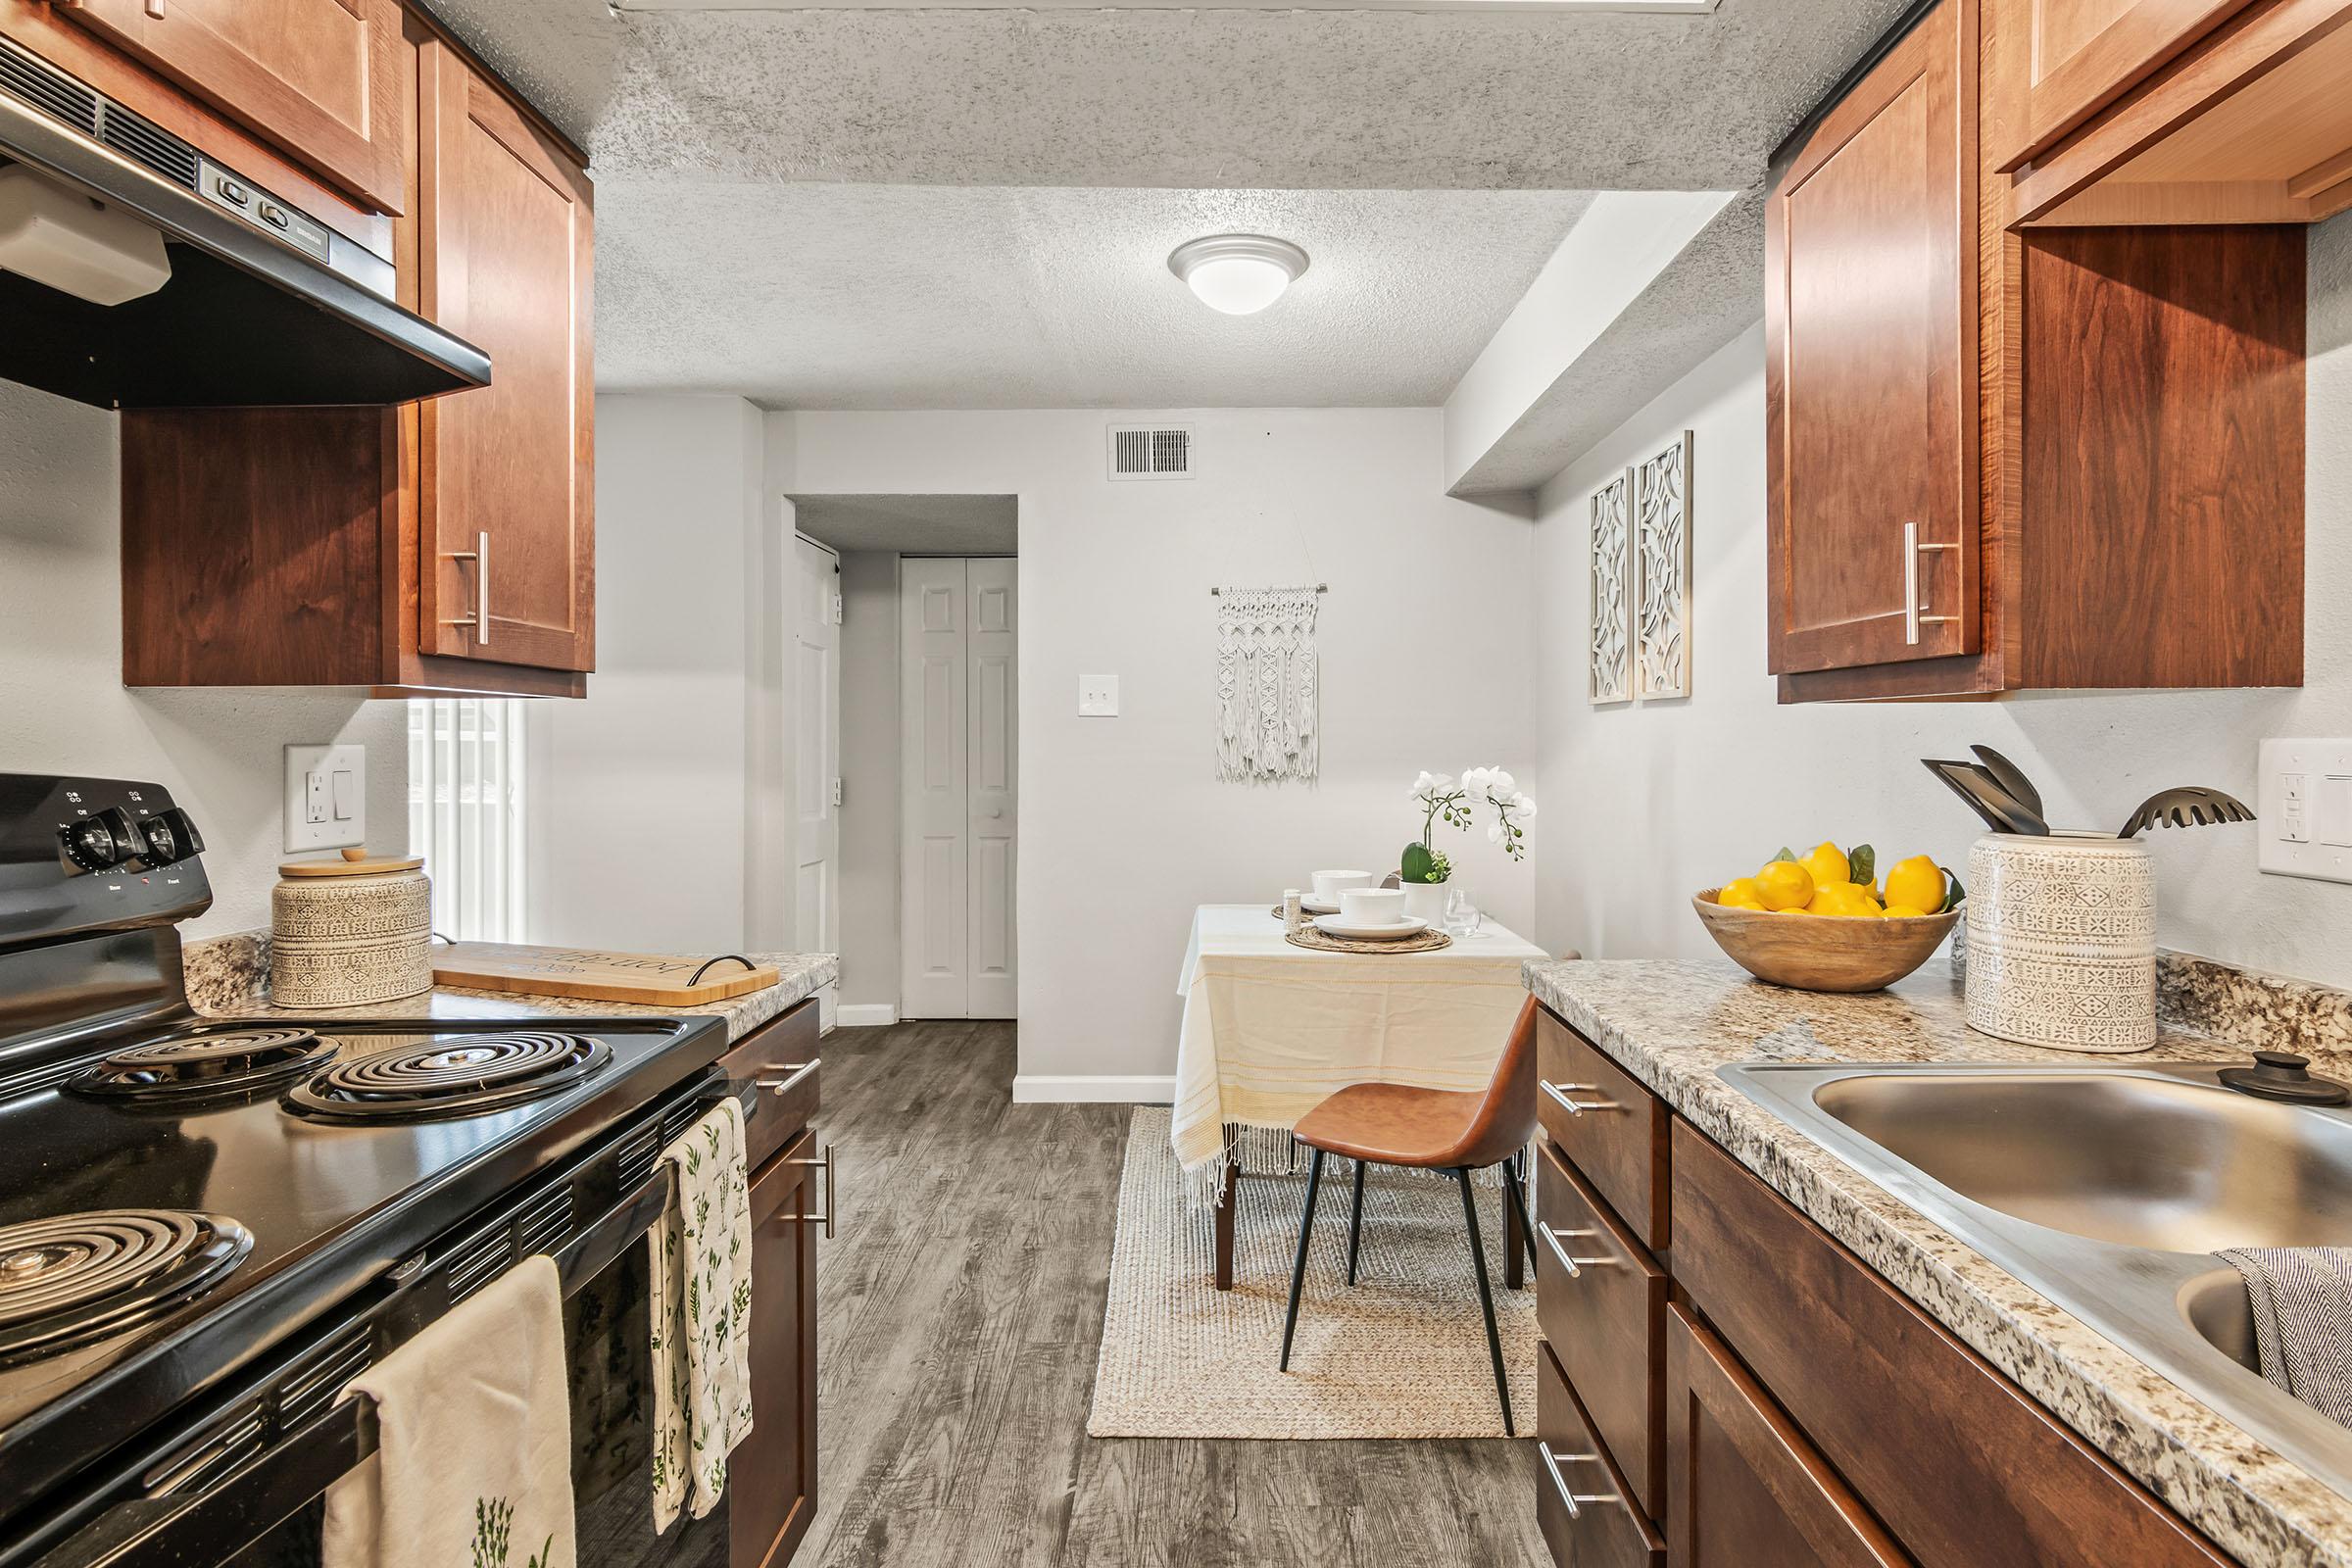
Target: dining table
x: 1272, y: 1028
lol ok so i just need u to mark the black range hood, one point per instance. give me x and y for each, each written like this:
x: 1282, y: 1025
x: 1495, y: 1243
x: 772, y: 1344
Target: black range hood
x: 248, y: 318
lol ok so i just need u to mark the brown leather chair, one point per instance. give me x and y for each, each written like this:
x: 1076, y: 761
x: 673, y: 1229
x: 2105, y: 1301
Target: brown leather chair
x: 1429, y: 1129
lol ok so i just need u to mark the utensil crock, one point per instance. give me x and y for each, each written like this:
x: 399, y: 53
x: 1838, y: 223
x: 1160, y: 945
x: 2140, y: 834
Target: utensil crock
x: 2062, y: 941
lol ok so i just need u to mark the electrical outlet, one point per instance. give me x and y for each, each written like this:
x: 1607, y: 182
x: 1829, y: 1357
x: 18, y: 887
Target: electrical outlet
x: 2303, y: 808
x: 1097, y: 697
x: 326, y: 797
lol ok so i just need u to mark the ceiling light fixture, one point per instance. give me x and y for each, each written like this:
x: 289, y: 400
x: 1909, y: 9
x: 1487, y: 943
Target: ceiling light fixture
x: 1240, y: 274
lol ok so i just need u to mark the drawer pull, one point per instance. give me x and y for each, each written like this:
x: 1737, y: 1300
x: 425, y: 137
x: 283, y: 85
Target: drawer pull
x: 798, y: 1071
x: 1561, y: 1094
x: 823, y: 1162
x: 1572, y: 1264
x: 1569, y: 1495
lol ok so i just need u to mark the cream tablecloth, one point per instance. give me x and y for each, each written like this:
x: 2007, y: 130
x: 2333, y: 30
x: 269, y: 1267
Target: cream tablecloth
x: 1270, y: 1028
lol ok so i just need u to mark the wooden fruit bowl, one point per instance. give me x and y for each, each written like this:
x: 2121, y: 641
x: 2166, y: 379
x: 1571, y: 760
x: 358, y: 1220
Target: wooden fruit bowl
x: 1823, y: 952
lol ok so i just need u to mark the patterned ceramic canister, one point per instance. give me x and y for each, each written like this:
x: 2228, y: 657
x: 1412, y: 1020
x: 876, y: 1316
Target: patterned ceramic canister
x: 345, y: 934
x: 2062, y: 941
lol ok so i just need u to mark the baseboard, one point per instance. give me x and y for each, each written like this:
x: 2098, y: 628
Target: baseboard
x: 1119, y: 1088
x: 865, y: 1014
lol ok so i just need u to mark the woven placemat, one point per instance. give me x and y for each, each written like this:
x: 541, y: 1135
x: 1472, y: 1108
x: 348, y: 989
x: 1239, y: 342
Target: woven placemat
x: 1429, y: 941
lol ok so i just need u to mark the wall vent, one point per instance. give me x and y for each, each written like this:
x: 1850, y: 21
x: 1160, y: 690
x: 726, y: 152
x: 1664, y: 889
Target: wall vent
x: 1151, y: 451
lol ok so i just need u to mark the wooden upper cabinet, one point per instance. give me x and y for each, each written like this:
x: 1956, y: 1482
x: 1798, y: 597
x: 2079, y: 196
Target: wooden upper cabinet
x: 2065, y: 60
x: 505, y: 528
x: 1871, y: 346
x: 318, y: 79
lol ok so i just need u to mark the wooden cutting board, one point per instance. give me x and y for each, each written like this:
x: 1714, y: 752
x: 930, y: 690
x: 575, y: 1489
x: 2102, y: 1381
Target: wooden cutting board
x: 645, y: 979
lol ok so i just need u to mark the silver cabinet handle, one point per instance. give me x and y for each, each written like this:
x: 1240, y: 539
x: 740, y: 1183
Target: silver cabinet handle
x: 479, y: 555
x: 1912, y: 618
x: 1569, y: 1495
x: 796, y: 1070
x: 1572, y: 1264
x: 824, y: 1162
x: 1560, y: 1093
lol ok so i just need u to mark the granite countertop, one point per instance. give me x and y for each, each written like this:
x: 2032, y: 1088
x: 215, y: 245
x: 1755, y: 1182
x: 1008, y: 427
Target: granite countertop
x: 1672, y: 1023
x: 228, y: 978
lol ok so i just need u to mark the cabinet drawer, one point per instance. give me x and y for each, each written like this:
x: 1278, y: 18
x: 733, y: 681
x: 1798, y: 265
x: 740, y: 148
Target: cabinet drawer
x: 1931, y: 1434
x: 1611, y: 1128
x: 1603, y: 1306
x: 1746, y: 1490
x: 775, y: 1050
x: 1581, y: 1501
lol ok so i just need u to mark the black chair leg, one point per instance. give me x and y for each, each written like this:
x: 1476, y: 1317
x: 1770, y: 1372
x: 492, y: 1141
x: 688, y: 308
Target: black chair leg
x: 1515, y: 1182
x: 1355, y: 1221
x: 1306, y: 1229
x: 1485, y: 1297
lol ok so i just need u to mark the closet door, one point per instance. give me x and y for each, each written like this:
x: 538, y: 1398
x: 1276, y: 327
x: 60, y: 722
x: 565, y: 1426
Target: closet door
x: 992, y: 799
x: 935, y: 847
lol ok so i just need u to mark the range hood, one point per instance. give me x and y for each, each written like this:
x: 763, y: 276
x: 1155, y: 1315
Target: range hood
x: 264, y: 305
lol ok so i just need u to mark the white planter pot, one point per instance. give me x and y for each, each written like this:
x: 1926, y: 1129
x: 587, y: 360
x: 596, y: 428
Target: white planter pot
x: 1426, y: 900
x: 2062, y: 941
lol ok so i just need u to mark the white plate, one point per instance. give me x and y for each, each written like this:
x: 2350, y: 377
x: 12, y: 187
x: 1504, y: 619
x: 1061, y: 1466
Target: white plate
x: 1315, y: 905
x: 1333, y: 925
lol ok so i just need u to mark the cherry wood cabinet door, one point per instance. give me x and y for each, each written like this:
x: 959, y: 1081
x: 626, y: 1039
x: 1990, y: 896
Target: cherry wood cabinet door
x: 505, y: 514
x: 1870, y: 317
x: 772, y: 1479
x: 2057, y: 62
x: 321, y: 80
x: 1743, y: 1488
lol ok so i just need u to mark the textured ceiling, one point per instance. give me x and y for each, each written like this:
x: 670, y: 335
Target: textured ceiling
x: 902, y: 297
x: 1183, y: 99
x: 923, y: 525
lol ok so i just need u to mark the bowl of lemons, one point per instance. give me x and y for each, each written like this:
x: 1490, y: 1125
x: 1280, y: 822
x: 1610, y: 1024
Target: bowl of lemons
x: 1823, y: 921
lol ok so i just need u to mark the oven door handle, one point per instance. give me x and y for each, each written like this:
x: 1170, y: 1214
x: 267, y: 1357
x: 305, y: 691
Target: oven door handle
x: 215, y: 1522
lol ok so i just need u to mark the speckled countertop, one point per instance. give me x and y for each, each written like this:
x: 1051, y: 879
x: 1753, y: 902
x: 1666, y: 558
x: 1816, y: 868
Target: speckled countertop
x: 1672, y: 1023
x: 228, y: 978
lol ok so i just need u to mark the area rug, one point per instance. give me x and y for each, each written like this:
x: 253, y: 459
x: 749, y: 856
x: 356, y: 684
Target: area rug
x: 1401, y: 1354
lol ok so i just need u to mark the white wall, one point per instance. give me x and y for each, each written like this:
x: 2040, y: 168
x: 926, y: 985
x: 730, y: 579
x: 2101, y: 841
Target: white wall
x: 648, y: 790
x: 1425, y: 640
x: 870, y: 778
x: 63, y: 706
x: 1673, y: 798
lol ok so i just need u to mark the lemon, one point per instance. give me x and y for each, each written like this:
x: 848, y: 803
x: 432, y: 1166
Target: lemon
x: 1842, y: 898
x: 1783, y: 885
x: 1741, y: 903
x: 1915, y: 884
x: 1898, y: 912
x: 1741, y: 890
x: 1828, y: 864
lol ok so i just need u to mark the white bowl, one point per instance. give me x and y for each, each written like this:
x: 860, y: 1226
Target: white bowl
x: 1329, y: 885
x: 1372, y: 905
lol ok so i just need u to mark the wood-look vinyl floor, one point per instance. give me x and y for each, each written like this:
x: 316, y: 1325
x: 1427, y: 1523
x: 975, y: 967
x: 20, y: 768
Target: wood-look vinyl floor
x: 959, y: 1311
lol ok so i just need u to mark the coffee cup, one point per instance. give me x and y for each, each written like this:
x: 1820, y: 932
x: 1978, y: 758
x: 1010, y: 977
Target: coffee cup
x: 1329, y: 885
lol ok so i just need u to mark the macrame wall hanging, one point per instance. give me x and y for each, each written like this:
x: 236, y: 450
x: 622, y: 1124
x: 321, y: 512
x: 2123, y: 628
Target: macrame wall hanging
x: 1267, y: 683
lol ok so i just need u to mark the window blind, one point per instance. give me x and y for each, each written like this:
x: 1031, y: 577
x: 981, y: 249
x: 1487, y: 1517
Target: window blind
x: 466, y: 783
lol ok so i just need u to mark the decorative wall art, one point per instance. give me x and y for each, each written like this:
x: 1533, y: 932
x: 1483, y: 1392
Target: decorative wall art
x: 1267, y: 683
x: 1663, y: 552
x: 1611, y: 672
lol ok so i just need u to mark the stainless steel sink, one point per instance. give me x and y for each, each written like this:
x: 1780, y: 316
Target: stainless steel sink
x: 2108, y: 1189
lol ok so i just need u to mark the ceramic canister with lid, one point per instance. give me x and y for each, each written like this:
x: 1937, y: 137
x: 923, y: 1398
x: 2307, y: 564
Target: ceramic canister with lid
x: 2062, y: 941
x: 350, y: 930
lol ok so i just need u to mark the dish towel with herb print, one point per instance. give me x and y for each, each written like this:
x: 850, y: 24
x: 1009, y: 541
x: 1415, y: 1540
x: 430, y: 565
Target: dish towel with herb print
x: 701, y: 1301
x: 473, y: 1466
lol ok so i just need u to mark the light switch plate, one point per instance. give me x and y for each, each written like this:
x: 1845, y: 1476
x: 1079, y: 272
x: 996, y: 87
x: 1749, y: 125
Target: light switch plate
x: 1097, y: 697
x: 2303, y: 808
x: 326, y: 797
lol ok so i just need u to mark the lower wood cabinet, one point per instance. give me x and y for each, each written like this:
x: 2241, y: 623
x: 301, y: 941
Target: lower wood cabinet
x: 1582, y: 1502
x: 771, y: 1481
x: 1743, y: 1487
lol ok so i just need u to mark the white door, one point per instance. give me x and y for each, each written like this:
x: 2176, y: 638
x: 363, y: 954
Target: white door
x: 957, y: 784
x: 991, y: 786
x: 816, y: 749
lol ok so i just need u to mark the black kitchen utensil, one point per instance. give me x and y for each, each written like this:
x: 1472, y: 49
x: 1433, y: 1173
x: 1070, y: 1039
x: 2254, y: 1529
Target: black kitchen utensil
x: 1976, y: 784
x: 2191, y: 806
x: 2012, y: 778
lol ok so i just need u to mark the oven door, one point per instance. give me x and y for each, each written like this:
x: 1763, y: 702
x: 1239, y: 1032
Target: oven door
x: 216, y: 1499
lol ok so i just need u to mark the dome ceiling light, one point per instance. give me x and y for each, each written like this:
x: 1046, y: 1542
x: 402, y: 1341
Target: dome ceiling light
x: 1240, y: 274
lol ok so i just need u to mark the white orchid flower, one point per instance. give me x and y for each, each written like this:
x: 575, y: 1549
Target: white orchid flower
x: 1493, y: 832
x: 1500, y: 782
x: 1524, y: 807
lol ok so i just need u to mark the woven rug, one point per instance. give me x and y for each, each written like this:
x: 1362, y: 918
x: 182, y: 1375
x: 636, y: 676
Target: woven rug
x: 1402, y: 1355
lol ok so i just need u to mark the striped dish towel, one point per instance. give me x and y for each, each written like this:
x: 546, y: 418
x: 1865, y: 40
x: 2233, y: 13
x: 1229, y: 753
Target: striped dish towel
x: 2302, y: 1301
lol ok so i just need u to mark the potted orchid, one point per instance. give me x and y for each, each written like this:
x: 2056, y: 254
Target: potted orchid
x: 1424, y: 869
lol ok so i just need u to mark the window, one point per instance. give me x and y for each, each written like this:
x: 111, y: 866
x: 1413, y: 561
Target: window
x: 465, y: 813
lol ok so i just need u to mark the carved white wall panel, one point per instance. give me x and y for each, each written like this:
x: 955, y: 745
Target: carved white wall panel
x: 1662, y: 548
x: 1612, y: 677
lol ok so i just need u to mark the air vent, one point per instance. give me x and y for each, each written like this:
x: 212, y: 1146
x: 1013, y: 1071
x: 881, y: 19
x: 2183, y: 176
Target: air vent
x: 544, y: 1222
x: 1151, y: 451
x: 315, y: 1382
x: 638, y: 1152
x: 480, y: 1258
x: 144, y: 141
x: 51, y: 91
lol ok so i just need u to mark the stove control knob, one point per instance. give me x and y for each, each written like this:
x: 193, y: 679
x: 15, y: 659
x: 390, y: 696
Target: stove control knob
x: 171, y: 835
x: 101, y: 842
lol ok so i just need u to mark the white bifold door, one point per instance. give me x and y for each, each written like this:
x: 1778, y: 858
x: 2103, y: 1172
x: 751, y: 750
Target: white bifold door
x: 816, y: 750
x: 956, y: 626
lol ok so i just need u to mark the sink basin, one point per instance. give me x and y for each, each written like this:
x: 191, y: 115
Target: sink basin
x: 2141, y: 1161
x: 2108, y: 1189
